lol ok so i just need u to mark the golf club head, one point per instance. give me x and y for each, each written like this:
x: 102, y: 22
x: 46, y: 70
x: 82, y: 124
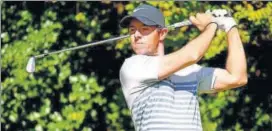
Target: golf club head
x: 30, y: 68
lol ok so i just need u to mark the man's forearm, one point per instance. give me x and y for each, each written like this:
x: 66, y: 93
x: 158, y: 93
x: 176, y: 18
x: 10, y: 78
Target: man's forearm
x: 188, y: 55
x: 236, y: 61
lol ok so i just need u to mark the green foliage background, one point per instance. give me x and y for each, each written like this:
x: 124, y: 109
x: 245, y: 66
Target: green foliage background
x: 80, y: 90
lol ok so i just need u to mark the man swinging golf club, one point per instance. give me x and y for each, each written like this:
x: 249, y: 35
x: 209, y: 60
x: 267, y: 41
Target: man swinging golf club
x: 161, y: 89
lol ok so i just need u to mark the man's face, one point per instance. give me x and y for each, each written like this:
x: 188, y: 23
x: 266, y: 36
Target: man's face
x: 144, y: 39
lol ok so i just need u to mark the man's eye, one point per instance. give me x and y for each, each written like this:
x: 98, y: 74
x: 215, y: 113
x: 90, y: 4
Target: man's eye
x: 131, y: 30
x: 145, y: 28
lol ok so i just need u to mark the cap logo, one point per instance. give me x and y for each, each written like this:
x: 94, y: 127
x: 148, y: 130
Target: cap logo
x: 138, y: 9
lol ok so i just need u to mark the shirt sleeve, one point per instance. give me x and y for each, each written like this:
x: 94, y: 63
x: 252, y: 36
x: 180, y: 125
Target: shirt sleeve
x: 206, y: 79
x: 138, y: 73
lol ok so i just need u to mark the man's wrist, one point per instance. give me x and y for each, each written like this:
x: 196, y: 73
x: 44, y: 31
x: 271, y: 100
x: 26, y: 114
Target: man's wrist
x: 212, y: 26
x: 232, y: 30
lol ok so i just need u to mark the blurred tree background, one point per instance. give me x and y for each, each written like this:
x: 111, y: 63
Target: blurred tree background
x: 80, y: 90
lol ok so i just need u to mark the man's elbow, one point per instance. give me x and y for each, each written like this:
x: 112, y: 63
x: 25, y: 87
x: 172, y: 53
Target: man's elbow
x: 241, y: 81
x: 244, y: 80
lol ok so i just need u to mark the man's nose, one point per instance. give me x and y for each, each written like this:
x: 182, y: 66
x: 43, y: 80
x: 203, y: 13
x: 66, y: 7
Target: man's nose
x: 137, y: 34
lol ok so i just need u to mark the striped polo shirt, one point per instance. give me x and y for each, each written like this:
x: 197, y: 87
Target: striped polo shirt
x: 167, y: 105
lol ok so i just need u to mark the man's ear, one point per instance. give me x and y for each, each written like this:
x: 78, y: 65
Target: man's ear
x: 163, y: 33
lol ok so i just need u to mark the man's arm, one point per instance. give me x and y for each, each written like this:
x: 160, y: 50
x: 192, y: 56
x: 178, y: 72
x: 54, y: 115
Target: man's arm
x: 192, y: 52
x: 235, y: 74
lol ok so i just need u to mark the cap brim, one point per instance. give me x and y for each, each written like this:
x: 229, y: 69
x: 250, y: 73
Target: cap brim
x: 126, y: 21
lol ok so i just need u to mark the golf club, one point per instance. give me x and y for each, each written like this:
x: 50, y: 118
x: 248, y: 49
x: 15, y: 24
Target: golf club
x: 30, y: 68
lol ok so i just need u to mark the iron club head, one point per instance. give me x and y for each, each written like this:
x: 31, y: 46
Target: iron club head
x: 30, y: 68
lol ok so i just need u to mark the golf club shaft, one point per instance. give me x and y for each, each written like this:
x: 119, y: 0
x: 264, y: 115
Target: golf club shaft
x: 83, y: 46
x: 176, y: 25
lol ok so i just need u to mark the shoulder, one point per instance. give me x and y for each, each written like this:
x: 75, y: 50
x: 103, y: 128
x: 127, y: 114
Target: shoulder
x: 137, y: 60
x: 131, y: 62
x: 139, y: 64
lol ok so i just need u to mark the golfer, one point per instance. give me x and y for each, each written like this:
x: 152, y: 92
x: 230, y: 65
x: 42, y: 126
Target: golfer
x: 161, y: 89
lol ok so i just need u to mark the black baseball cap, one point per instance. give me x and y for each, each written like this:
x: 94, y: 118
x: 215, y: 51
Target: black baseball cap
x: 147, y: 14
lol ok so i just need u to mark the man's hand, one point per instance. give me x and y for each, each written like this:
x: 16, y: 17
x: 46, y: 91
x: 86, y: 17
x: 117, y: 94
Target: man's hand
x: 223, y: 18
x: 201, y: 20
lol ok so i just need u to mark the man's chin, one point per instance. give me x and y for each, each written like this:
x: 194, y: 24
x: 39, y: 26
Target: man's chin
x: 143, y: 52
